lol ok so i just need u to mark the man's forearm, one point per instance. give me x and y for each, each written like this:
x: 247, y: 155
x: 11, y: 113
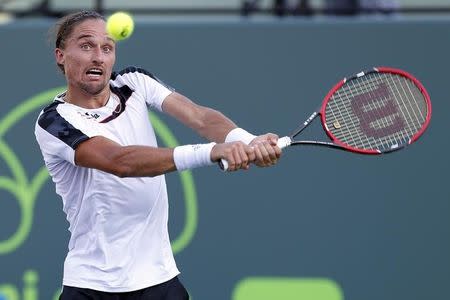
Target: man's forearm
x: 215, y: 126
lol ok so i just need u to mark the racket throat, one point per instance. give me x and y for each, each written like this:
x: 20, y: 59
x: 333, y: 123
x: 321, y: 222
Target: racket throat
x: 305, y: 124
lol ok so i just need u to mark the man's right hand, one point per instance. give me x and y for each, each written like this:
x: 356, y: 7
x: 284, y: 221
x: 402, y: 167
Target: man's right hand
x: 237, y: 154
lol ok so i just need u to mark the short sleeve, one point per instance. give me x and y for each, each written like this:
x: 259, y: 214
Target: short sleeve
x: 58, y: 133
x: 152, y: 89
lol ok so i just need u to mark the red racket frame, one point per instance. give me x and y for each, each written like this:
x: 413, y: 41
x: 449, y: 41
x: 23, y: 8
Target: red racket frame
x: 379, y: 70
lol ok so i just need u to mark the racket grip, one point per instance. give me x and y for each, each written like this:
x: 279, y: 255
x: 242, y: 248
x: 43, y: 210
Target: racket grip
x: 223, y: 164
x: 284, y: 142
x: 281, y: 143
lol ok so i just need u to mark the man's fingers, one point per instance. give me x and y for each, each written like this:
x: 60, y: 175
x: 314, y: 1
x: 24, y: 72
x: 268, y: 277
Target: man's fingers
x: 263, y: 153
x: 272, y: 138
x: 239, y: 156
x: 271, y: 152
x: 268, y: 152
x: 251, y: 153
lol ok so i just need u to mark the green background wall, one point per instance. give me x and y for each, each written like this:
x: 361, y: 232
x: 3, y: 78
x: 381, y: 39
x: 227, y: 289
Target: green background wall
x: 321, y: 225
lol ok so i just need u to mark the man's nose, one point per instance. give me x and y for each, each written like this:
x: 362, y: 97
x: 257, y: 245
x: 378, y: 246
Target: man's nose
x: 98, y: 56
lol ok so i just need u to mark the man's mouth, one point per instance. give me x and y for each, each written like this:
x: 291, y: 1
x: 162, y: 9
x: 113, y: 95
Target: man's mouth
x: 94, y: 72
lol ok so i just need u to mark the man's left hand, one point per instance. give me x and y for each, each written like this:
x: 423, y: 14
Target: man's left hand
x: 266, y: 150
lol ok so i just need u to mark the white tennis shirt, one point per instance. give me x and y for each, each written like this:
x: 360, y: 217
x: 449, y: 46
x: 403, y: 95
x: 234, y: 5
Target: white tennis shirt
x: 119, y: 237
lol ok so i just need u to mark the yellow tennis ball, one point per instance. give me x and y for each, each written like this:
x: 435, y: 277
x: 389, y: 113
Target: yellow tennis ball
x: 120, y: 25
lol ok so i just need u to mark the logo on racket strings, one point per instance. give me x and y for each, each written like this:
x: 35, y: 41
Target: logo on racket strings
x: 377, y: 112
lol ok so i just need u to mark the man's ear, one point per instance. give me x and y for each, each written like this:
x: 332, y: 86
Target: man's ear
x: 59, y: 56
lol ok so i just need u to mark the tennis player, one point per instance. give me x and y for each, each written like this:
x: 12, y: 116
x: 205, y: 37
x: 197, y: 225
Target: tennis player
x: 101, y: 152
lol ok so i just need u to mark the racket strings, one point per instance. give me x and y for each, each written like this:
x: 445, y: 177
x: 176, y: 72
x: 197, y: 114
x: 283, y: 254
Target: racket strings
x: 384, y: 121
x: 380, y: 121
x: 377, y: 127
x: 378, y: 111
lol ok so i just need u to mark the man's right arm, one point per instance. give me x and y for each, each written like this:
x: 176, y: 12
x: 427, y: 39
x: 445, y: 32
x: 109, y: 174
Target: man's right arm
x: 138, y: 161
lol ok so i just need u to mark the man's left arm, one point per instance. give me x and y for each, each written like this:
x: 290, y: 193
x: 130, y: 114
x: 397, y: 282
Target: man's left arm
x: 215, y: 126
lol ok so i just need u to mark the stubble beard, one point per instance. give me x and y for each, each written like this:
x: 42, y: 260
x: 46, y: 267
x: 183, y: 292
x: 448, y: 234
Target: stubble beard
x: 93, y: 89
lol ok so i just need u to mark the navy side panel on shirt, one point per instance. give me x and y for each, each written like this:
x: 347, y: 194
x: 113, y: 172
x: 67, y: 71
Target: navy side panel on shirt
x: 52, y: 122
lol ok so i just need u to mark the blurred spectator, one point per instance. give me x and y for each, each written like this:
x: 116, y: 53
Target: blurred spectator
x: 349, y: 7
x: 299, y: 7
x: 341, y: 7
x: 375, y: 6
x: 333, y: 7
x: 279, y: 7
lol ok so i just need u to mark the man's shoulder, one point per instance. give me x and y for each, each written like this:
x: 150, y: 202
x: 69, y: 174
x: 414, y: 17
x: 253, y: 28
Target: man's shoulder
x: 48, y: 112
x: 129, y: 75
x: 131, y: 70
x: 62, y: 121
x: 60, y: 115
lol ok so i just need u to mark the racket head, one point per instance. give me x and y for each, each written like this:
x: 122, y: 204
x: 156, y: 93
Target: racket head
x: 375, y: 112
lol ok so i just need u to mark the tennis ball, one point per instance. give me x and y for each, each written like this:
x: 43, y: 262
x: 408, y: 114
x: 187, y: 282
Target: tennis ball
x: 120, y: 25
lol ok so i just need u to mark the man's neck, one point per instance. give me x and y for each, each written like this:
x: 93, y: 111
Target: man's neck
x: 85, y: 100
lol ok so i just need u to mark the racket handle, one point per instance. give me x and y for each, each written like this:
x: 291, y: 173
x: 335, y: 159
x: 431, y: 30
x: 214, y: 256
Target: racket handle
x: 284, y: 142
x: 281, y: 143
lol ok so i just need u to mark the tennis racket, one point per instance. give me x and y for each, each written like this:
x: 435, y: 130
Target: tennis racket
x: 374, y: 112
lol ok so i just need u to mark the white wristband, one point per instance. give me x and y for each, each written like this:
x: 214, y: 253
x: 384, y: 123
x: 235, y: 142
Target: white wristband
x: 192, y: 156
x: 239, y: 134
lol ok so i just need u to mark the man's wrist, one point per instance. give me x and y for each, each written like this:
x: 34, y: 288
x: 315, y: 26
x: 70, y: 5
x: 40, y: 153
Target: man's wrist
x: 192, y: 156
x: 239, y: 134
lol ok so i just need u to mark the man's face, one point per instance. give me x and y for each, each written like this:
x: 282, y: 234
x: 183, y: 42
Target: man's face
x: 88, y: 57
